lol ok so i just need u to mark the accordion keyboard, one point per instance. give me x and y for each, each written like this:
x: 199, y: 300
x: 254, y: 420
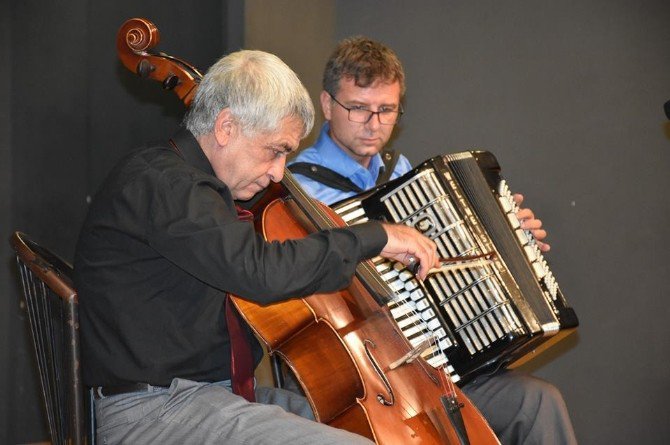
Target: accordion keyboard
x: 471, y: 297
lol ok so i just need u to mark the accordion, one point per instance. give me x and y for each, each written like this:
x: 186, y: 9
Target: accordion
x: 481, y: 314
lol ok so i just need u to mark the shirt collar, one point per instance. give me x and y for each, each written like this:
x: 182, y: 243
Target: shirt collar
x: 189, y: 149
x: 342, y: 163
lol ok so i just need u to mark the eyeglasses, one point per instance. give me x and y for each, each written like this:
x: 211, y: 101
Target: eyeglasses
x: 363, y: 116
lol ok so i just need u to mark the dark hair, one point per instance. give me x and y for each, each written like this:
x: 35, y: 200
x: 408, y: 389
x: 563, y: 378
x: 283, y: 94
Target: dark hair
x: 365, y: 61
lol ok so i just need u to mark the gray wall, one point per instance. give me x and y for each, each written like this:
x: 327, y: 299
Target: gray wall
x: 569, y: 97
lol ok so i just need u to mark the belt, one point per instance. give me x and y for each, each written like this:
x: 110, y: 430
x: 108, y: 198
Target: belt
x: 100, y: 392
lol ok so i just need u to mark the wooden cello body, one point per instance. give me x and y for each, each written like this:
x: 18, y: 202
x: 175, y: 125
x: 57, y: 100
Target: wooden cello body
x: 341, y: 347
x: 344, y: 348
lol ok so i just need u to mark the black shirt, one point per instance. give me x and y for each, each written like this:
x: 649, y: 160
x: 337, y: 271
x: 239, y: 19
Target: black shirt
x: 161, y: 246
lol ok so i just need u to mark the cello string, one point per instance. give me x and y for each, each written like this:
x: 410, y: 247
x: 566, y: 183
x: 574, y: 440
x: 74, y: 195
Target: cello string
x: 324, y: 221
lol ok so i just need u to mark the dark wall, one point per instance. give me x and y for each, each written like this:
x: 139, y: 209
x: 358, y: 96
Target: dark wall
x: 5, y: 199
x: 569, y: 96
x: 68, y: 111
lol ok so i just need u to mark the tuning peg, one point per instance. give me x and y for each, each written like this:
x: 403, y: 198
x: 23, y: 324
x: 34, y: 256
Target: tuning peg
x: 170, y: 82
x: 145, y: 68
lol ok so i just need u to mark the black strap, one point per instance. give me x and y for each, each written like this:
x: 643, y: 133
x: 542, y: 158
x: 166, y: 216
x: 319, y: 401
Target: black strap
x: 390, y: 159
x: 325, y: 176
x: 331, y: 178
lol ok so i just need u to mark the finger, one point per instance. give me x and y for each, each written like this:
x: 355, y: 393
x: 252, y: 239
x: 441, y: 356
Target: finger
x: 523, y: 214
x: 518, y: 198
x: 539, y: 234
x: 423, y: 260
x: 544, y: 247
x: 531, y: 224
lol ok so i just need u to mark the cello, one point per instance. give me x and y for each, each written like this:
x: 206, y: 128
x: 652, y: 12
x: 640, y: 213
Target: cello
x: 356, y: 368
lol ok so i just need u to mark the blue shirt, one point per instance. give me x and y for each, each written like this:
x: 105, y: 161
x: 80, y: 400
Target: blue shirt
x: 327, y: 153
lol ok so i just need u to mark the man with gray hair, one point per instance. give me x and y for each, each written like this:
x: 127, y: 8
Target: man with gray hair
x: 162, y: 245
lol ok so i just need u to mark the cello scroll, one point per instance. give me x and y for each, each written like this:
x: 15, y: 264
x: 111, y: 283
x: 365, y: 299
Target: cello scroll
x: 134, y: 42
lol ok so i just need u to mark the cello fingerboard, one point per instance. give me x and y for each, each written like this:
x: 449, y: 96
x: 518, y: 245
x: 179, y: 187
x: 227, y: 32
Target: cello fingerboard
x: 478, y: 314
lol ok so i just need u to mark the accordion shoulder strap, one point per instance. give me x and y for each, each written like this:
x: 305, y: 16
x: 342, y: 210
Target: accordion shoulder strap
x: 331, y: 178
x: 390, y: 159
x: 325, y: 176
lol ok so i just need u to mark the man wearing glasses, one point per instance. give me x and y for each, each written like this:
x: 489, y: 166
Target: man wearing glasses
x: 361, y: 111
x: 363, y: 84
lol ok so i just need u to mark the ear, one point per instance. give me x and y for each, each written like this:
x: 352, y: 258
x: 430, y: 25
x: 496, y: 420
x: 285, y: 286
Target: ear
x: 224, y: 127
x: 326, y: 104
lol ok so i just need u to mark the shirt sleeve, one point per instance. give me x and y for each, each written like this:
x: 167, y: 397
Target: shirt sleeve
x: 194, y: 225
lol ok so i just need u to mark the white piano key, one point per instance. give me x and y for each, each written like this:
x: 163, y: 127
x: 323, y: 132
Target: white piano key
x: 397, y: 286
x: 437, y: 361
x: 388, y: 276
x: 412, y: 330
x: 445, y: 344
x: 353, y: 215
x: 428, y: 314
x: 416, y: 341
x: 411, y: 285
x: 417, y: 294
x: 400, y: 298
x: 433, y: 324
x: 422, y: 304
x: 405, y: 275
x: 401, y: 310
x: 412, y: 321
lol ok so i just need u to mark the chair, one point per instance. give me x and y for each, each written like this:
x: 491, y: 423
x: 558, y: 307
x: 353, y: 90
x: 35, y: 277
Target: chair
x: 51, y: 303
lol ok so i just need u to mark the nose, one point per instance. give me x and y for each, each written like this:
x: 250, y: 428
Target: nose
x: 276, y: 171
x: 374, y: 121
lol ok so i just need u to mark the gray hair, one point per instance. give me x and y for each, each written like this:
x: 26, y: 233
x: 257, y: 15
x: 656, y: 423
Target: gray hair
x: 259, y: 89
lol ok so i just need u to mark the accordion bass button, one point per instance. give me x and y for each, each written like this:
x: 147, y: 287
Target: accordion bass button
x: 506, y: 204
x: 513, y: 220
x: 522, y: 236
x: 540, y: 270
x: 531, y: 253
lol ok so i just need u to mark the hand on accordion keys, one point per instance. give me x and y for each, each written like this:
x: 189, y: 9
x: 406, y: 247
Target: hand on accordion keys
x: 530, y: 223
x: 455, y: 263
x: 409, y: 246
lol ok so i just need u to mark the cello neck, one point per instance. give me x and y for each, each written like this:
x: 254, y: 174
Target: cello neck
x: 323, y: 219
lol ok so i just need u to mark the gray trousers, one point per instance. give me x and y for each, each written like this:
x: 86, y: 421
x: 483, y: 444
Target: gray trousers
x: 522, y: 409
x: 209, y: 413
